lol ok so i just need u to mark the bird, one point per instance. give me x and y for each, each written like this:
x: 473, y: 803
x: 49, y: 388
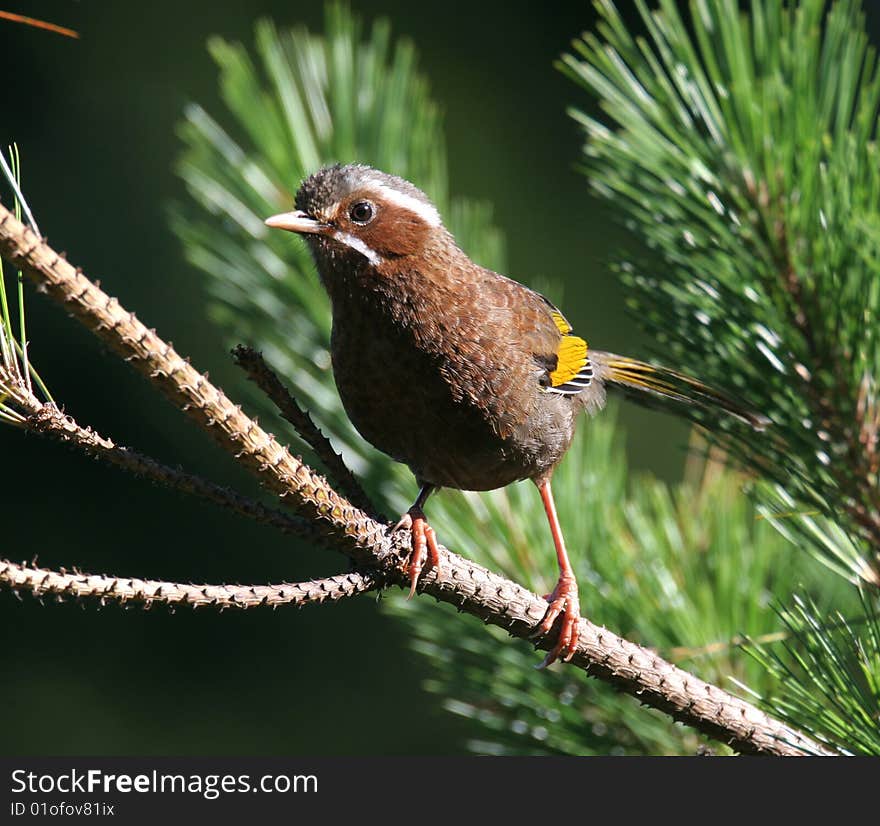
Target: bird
x: 470, y: 378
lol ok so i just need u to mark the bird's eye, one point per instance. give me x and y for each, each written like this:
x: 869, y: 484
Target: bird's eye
x: 362, y: 212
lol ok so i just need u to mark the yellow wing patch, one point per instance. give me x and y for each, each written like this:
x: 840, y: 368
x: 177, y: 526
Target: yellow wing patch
x: 561, y: 324
x: 573, y: 371
x: 571, y: 357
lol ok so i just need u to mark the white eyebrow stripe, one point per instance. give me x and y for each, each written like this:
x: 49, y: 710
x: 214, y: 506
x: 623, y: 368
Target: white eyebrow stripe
x: 427, y: 212
x: 357, y: 244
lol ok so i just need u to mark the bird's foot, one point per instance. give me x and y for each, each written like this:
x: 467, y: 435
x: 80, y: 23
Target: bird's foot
x: 423, y: 540
x: 564, y: 600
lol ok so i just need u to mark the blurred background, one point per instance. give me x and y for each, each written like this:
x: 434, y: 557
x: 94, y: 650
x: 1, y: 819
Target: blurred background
x: 95, y: 122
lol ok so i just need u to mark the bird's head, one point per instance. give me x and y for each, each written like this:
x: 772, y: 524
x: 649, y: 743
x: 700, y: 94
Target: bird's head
x: 356, y: 217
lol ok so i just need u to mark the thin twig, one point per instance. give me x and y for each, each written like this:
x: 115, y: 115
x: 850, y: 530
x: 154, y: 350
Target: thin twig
x: 39, y: 24
x: 47, y: 420
x: 259, y: 372
x: 464, y: 584
x: 42, y: 582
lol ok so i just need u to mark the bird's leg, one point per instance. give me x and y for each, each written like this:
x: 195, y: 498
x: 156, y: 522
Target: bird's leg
x: 423, y: 538
x: 564, y: 599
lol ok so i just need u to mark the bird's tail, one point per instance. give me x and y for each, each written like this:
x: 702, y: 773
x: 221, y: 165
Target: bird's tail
x: 642, y: 381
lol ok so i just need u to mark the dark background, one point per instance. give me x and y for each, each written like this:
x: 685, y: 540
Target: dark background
x: 95, y: 123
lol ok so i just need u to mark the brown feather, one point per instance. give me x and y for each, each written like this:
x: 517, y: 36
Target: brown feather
x: 470, y: 378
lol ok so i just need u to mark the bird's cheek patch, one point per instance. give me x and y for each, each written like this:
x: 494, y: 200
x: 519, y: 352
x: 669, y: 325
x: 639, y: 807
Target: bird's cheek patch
x: 396, y: 233
x: 359, y: 245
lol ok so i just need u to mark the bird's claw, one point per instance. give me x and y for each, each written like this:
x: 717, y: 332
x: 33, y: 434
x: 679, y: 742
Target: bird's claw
x: 564, y: 600
x: 423, y: 539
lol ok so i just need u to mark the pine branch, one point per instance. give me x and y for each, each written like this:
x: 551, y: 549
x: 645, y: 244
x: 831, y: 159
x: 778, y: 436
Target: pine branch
x: 185, y: 387
x: 62, y: 585
x: 253, y: 363
x: 466, y: 585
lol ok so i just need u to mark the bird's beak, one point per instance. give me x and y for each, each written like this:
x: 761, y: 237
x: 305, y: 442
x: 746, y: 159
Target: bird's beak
x: 296, y: 221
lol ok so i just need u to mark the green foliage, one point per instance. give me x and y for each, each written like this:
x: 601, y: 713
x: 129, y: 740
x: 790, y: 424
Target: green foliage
x: 688, y: 569
x: 740, y: 147
x: 18, y: 377
x: 685, y: 569
x: 830, y: 674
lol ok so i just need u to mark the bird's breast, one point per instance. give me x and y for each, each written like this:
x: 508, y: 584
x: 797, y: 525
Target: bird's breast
x: 431, y: 394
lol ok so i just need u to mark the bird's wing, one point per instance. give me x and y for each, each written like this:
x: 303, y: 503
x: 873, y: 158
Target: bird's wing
x: 573, y: 371
x: 545, y: 335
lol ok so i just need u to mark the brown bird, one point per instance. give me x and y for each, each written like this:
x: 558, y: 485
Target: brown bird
x: 471, y: 379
